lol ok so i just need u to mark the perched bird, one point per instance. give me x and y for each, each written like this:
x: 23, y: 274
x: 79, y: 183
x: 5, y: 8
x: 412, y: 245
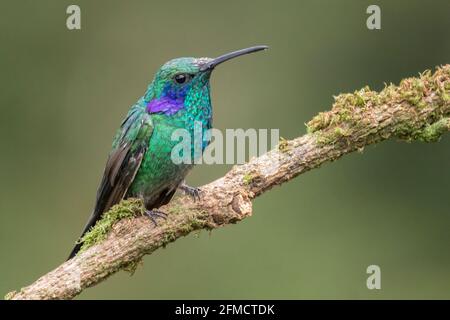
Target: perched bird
x: 140, y: 163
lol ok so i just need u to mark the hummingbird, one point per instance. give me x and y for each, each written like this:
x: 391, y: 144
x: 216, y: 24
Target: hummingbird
x: 140, y: 163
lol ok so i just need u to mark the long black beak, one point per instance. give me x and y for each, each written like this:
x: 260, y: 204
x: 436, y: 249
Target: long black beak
x: 213, y: 63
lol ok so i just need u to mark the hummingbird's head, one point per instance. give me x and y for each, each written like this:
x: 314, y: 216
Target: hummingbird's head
x: 184, y: 82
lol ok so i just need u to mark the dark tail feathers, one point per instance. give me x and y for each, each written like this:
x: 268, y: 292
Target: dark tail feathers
x: 79, y: 244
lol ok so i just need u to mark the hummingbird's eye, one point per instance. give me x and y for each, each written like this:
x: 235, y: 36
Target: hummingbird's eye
x: 182, y: 78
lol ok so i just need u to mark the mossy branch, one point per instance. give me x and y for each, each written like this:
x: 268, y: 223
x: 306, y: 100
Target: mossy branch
x: 417, y: 109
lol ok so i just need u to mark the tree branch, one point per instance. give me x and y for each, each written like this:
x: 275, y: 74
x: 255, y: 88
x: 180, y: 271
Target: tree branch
x: 417, y: 109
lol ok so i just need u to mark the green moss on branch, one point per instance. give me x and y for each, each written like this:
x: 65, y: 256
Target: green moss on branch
x: 433, y: 132
x: 363, y: 112
x: 125, y: 209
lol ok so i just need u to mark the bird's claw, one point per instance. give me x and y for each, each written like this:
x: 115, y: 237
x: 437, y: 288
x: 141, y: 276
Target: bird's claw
x: 153, y: 214
x: 191, y: 191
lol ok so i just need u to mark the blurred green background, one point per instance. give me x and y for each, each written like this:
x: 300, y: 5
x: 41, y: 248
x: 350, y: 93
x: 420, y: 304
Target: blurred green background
x: 64, y: 93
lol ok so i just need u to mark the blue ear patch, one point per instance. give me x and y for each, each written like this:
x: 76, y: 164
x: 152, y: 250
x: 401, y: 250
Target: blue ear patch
x: 170, y: 102
x: 166, y: 105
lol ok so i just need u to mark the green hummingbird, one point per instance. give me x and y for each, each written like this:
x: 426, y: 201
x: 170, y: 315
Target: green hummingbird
x: 140, y: 163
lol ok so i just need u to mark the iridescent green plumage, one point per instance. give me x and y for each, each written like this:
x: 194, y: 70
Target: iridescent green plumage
x: 140, y: 163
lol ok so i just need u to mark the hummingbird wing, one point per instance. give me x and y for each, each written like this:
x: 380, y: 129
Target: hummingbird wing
x: 129, y: 146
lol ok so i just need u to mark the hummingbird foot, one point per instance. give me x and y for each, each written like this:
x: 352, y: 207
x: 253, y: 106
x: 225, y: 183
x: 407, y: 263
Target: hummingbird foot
x: 191, y: 191
x: 154, y: 214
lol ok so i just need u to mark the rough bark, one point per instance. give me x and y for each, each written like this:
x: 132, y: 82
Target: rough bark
x: 417, y: 109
